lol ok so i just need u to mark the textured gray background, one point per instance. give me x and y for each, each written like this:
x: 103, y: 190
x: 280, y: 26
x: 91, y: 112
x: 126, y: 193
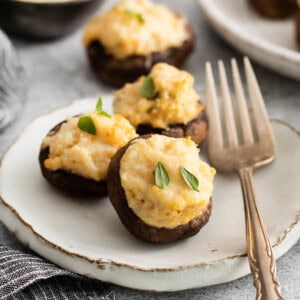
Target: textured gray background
x: 57, y: 72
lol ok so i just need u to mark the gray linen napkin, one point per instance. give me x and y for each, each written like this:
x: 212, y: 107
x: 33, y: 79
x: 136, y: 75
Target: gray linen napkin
x: 26, y: 276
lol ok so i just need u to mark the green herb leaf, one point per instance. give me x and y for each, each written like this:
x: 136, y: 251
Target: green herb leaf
x: 99, y: 105
x: 99, y: 109
x: 105, y: 114
x: 161, y: 176
x: 86, y: 123
x: 190, y: 179
x: 135, y: 15
x: 148, y: 88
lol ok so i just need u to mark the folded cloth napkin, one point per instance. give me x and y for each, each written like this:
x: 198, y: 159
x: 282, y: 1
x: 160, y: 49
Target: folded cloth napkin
x: 26, y: 276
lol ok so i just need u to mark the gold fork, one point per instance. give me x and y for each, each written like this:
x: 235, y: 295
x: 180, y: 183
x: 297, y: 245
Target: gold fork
x: 238, y: 141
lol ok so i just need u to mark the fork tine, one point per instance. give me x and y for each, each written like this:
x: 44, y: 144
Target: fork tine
x: 263, y: 126
x: 215, y: 129
x: 241, y: 104
x: 231, y: 131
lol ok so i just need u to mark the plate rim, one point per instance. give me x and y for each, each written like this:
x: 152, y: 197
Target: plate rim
x: 101, y: 263
x: 246, y: 43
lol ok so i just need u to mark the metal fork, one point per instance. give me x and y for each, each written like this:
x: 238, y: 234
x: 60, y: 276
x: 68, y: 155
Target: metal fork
x: 239, y: 141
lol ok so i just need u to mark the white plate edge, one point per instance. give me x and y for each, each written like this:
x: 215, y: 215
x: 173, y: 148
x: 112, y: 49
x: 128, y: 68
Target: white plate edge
x: 129, y: 276
x: 220, y: 22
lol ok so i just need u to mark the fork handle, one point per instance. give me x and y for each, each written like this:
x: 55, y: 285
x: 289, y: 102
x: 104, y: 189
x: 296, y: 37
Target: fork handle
x: 260, y: 256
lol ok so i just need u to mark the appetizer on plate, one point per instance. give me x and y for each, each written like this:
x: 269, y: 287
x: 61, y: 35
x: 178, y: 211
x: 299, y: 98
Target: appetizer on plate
x: 75, y: 155
x: 126, y: 41
x: 160, y: 188
x: 164, y: 102
x: 274, y: 8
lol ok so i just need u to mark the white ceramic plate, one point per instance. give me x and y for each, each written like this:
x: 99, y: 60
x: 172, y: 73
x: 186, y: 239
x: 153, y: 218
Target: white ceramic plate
x: 272, y: 43
x: 86, y: 236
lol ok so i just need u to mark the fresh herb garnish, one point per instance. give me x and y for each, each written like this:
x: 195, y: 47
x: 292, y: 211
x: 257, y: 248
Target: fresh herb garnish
x: 99, y: 109
x: 161, y: 176
x: 148, y: 88
x: 86, y: 123
x: 190, y: 179
x: 135, y: 15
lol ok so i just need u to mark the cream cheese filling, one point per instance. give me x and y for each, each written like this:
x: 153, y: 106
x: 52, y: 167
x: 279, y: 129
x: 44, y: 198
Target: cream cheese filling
x: 87, y: 155
x: 177, y: 102
x: 136, y: 27
x: 176, y: 204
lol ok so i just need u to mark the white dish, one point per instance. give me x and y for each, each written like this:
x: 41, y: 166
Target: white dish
x: 272, y: 43
x: 86, y: 236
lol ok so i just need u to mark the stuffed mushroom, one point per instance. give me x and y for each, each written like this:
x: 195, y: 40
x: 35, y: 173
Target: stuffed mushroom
x: 75, y: 155
x: 127, y: 40
x: 164, y: 102
x: 274, y: 8
x: 160, y: 188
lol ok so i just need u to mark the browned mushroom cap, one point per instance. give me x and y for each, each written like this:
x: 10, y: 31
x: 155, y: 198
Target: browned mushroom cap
x: 120, y: 71
x: 196, y: 129
x: 133, y: 223
x: 275, y: 8
x: 67, y: 182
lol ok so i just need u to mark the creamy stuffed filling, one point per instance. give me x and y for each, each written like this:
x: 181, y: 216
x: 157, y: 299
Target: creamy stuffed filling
x: 184, y: 196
